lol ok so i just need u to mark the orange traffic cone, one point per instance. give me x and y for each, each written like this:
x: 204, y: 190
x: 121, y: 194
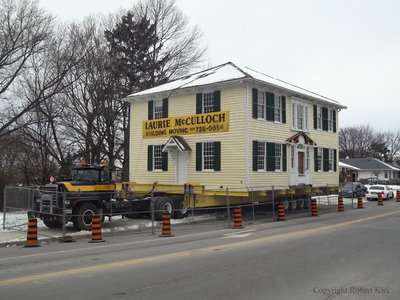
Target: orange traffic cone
x: 340, y: 204
x: 237, y: 218
x: 281, y: 212
x: 32, y: 238
x: 380, y: 199
x: 398, y: 196
x: 314, y: 208
x: 360, y: 202
x: 166, y: 226
x: 96, y: 230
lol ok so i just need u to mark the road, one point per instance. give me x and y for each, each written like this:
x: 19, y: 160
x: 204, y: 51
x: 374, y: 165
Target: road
x: 338, y: 255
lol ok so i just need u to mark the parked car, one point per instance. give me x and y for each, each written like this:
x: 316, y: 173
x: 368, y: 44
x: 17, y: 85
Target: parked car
x: 353, y: 189
x: 374, y: 190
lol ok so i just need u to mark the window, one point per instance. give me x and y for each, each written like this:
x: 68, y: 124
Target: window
x: 208, y: 102
x: 330, y: 120
x: 208, y: 156
x: 261, y: 156
x: 268, y: 106
x: 158, y: 109
x: 330, y: 159
x: 299, y: 115
x: 324, y: 119
x: 278, y: 157
x: 319, y: 159
x: 278, y: 110
x: 261, y: 106
x: 156, y: 159
x: 269, y: 156
x: 325, y: 159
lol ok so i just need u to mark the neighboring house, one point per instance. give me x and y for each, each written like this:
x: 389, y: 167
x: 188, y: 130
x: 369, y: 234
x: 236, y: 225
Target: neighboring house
x: 372, y: 167
x: 236, y: 127
x: 347, y: 173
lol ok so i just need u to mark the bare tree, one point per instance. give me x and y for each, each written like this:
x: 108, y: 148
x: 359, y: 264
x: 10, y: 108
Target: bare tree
x: 24, y: 28
x: 179, y: 44
x: 356, y: 141
x: 392, y: 142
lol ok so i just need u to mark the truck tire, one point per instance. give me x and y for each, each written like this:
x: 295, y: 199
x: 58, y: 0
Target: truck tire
x: 84, y: 214
x: 163, y: 204
x: 180, y: 210
x: 293, y: 205
x: 52, y: 224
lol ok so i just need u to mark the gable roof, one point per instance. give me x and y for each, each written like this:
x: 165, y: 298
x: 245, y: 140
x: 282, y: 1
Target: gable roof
x: 229, y: 72
x: 369, y: 164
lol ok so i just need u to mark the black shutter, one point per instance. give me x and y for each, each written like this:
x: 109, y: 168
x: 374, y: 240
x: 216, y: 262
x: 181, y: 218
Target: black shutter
x: 217, y: 101
x: 199, y: 156
x: 149, y: 158
x: 334, y: 121
x: 150, y: 110
x: 164, y: 156
x: 199, y: 103
x: 335, y: 160
x: 255, y: 156
x: 324, y: 118
x: 270, y: 157
x: 325, y: 154
x: 217, y: 156
x: 270, y: 107
x: 165, y: 108
x: 284, y: 159
x: 283, y: 109
x: 255, y: 103
x: 315, y: 117
x: 316, y: 159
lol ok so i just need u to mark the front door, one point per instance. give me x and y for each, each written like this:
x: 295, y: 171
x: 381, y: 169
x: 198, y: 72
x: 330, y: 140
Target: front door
x: 300, y: 163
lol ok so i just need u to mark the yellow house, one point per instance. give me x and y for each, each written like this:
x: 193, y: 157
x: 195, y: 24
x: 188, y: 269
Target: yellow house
x: 233, y: 127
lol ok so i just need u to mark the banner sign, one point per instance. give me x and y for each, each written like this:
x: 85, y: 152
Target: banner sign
x: 183, y: 125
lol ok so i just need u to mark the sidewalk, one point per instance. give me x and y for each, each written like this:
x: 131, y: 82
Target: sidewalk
x: 16, y: 228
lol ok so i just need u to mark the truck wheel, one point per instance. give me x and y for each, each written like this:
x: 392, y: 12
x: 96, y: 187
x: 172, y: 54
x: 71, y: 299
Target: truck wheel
x: 181, y: 211
x: 164, y: 204
x: 52, y: 224
x: 293, y: 205
x: 84, y: 214
x: 300, y: 203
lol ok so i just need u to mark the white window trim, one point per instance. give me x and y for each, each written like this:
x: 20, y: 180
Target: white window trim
x: 202, y: 100
x: 158, y: 104
x: 202, y: 157
x: 265, y: 157
x: 153, y: 158
x: 294, y: 114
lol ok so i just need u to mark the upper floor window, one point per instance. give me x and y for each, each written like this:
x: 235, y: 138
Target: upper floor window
x: 261, y: 106
x: 299, y: 115
x: 268, y: 106
x: 208, y: 102
x: 158, y: 109
x: 324, y: 118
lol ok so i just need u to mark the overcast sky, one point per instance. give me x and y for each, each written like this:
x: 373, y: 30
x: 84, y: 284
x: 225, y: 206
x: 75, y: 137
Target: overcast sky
x: 347, y: 50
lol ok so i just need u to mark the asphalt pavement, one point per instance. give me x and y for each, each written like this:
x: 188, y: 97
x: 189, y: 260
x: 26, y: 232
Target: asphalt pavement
x: 336, y: 255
